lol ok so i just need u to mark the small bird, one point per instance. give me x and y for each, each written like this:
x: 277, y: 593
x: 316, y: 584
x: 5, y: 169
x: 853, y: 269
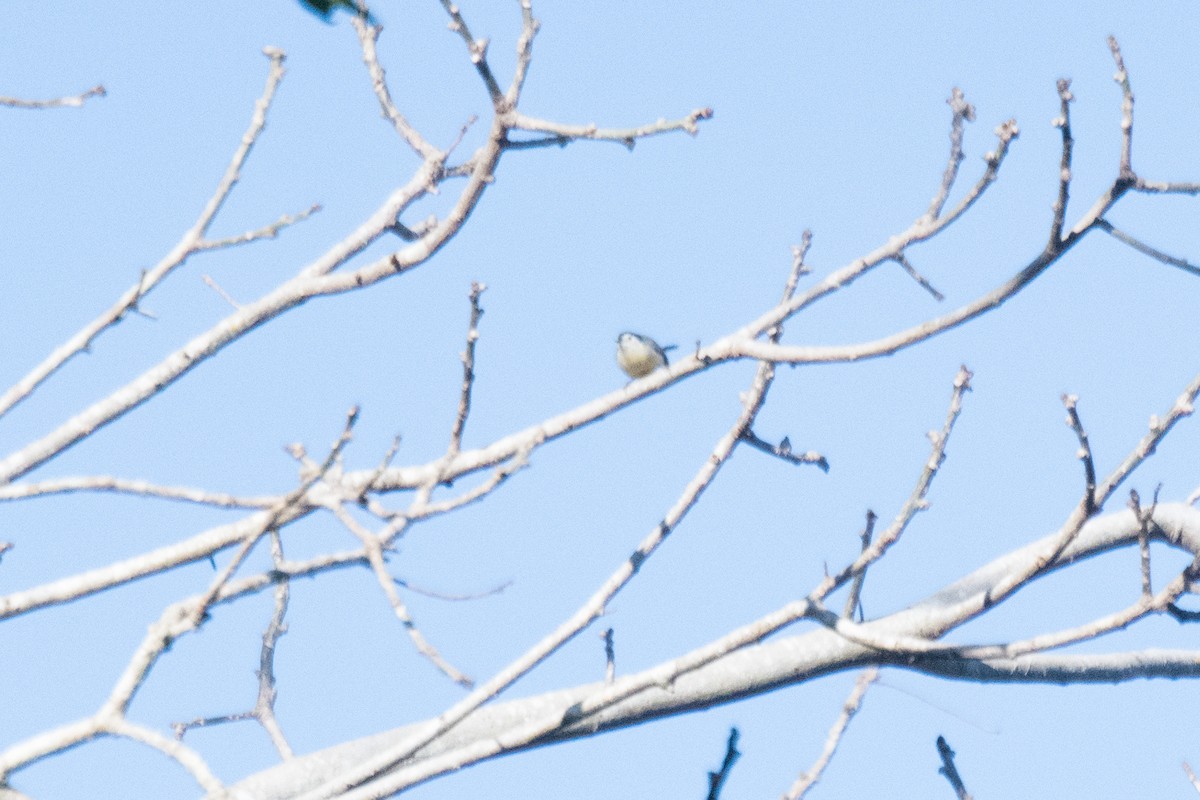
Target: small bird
x: 639, y: 355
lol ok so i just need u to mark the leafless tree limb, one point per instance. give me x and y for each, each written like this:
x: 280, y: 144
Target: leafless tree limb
x: 1144, y: 521
x: 853, y: 598
x: 784, y: 452
x: 735, y: 665
x: 950, y: 771
x: 1145, y: 249
x: 562, y: 134
x: 270, y: 231
x: 372, y: 545
x: 716, y: 780
x: 177, y: 620
x: 916, y: 500
x: 730, y: 668
x: 1063, y: 123
x: 193, y: 241
x: 963, y: 112
x: 72, y: 101
x: 319, y: 279
x: 365, y: 775
x: 1122, y: 79
x: 368, y: 37
x: 264, y: 706
x: 105, y: 483
x: 1191, y: 776
x: 807, y: 780
x: 921, y: 280
x: 610, y: 656
x: 1071, y: 403
x: 468, y: 360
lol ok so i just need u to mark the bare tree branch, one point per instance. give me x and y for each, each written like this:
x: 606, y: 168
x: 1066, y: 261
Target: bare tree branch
x: 807, y: 780
x: 73, y: 101
x: 193, y: 241
x: 950, y: 771
x: 716, y: 780
x: 727, y: 670
x: 264, y: 706
x: 384, y: 501
x: 1191, y: 776
x: 1071, y: 402
x: 1146, y: 249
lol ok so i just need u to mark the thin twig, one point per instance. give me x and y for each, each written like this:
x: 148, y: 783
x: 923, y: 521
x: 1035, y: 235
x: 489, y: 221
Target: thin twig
x: 422, y: 508
x: 798, y: 270
x: 177, y: 620
x: 384, y: 463
x: 924, y: 283
x: 270, y: 231
x: 1166, y: 187
x: 73, y: 101
x: 181, y: 728
x: 529, y: 29
x: 962, y: 113
x: 807, y: 780
x: 950, y: 771
x: 1135, y: 504
x: 368, y: 37
x: 856, y: 585
x: 784, y: 452
x: 220, y: 291
x: 468, y: 362
x: 371, y: 771
x: 372, y: 544
x: 264, y: 706
x: 191, y: 242
x: 716, y: 780
x: 1144, y: 606
x: 233, y: 172
x: 610, y: 656
x: 105, y: 483
x: 477, y: 49
x: 563, y: 133
x: 1191, y: 776
x: 1122, y: 79
x: 916, y: 500
x: 1063, y: 123
x: 1183, y: 615
x: 539, y: 143
x: 1071, y: 402
x: 1049, y: 552
x: 1146, y: 249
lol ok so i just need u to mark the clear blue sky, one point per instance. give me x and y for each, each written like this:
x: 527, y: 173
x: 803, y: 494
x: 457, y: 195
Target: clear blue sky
x: 828, y: 116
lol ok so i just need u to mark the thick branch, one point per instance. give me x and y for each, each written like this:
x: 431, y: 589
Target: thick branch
x: 764, y: 667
